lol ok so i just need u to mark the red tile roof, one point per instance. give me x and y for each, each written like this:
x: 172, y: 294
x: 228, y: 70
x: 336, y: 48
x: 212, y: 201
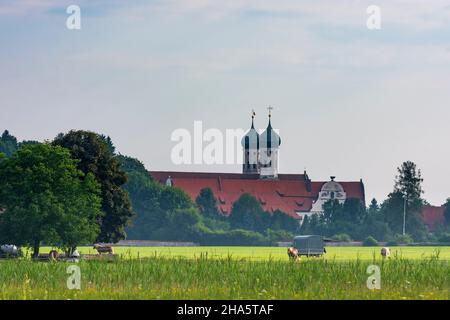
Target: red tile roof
x: 290, y: 193
x: 432, y: 216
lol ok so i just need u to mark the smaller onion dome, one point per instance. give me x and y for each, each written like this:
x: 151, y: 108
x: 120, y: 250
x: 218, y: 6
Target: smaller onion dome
x: 269, y: 138
x: 251, y: 139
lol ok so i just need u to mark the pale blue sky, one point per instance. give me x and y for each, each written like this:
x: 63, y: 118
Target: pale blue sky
x: 348, y: 101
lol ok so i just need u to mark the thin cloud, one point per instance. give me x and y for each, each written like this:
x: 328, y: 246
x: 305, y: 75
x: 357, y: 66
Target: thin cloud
x: 412, y: 14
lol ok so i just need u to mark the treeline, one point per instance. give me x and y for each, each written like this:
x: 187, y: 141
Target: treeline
x: 168, y: 213
x: 403, y: 206
x: 77, y: 190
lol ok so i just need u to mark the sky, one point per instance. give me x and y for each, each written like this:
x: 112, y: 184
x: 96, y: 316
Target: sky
x: 348, y: 101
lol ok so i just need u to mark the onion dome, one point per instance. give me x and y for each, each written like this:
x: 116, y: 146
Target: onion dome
x: 269, y: 138
x: 251, y: 139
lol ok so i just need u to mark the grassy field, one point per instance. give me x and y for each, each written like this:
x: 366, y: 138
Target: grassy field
x: 273, y: 253
x: 234, y: 273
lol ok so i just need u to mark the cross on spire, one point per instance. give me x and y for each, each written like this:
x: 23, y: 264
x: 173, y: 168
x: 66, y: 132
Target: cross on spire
x: 253, y: 116
x: 270, y: 108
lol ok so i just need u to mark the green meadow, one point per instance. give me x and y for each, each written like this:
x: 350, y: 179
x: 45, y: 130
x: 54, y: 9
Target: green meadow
x: 234, y: 273
x: 272, y: 253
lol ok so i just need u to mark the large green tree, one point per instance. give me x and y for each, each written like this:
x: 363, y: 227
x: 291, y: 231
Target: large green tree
x: 374, y: 223
x: 374, y: 208
x: 447, y: 212
x: 248, y: 214
x: 47, y: 199
x: 133, y: 166
x: 207, y: 203
x: 94, y: 155
x: 305, y: 227
x: 8, y: 144
x: 282, y: 221
x: 145, y: 194
x: 344, y: 217
x: 407, y: 194
x: 314, y: 224
x: 173, y: 198
x: 409, y: 181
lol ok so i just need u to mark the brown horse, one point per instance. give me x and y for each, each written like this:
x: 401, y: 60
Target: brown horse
x: 292, y: 253
x: 53, y: 255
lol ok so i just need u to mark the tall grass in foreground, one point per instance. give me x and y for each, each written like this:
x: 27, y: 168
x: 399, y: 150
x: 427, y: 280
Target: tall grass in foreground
x: 226, y: 278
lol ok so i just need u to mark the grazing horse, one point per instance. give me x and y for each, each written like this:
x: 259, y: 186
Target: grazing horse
x: 53, y: 255
x: 103, y: 248
x: 385, y: 252
x: 292, y: 253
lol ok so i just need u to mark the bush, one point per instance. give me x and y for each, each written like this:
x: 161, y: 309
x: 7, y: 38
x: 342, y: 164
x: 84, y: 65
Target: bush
x: 236, y: 237
x: 343, y: 237
x: 216, y: 224
x: 370, y: 242
x: 445, y: 238
x: 279, y: 235
x: 392, y: 243
x: 245, y: 238
x: 183, y: 218
x: 403, y: 239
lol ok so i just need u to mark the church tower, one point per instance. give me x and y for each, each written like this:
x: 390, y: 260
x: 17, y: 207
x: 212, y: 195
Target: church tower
x: 269, y: 143
x: 250, y: 144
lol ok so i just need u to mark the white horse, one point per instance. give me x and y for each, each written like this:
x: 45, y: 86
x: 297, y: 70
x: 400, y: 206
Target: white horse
x: 385, y: 252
